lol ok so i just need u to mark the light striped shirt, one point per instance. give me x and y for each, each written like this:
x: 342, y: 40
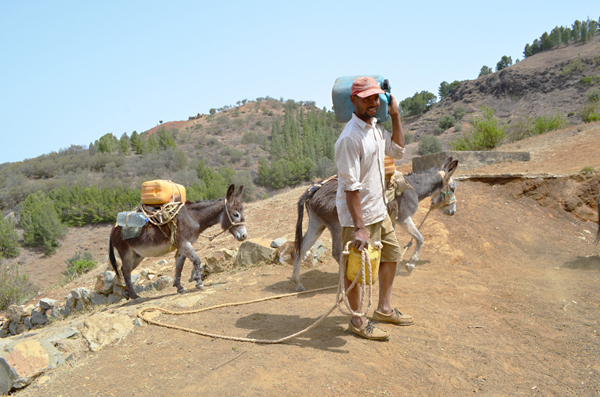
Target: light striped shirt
x: 359, y: 156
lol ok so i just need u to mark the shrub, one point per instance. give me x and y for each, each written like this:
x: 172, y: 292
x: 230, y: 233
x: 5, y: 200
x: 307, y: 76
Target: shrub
x: 587, y: 171
x: 9, y: 245
x: 79, y: 264
x: 408, y: 138
x: 485, y: 133
x: 446, y: 121
x: 590, y: 80
x: 594, y: 96
x: 429, y: 144
x: 589, y: 113
x: 40, y: 223
x: 15, y: 288
x: 459, y: 112
x: 458, y: 127
x: 544, y: 123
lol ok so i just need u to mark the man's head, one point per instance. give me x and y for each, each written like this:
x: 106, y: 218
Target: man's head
x: 365, y: 97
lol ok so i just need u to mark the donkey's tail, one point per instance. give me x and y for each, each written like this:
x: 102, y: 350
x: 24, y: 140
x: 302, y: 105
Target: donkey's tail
x: 301, y: 203
x: 111, y: 257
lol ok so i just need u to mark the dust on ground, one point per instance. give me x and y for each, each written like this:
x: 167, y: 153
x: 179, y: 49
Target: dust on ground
x: 504, y: 296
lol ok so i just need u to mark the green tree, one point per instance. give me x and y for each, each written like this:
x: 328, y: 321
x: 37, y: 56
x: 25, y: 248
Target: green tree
x: 40, y: 223
x: 566, y: 36
x: 445, y: 88
x: 124, y: 143
x: 153, y: 144
x: 527, y: 52
x: 503, y: 63
x: 107, y: 143
x: 9, y: 245
x: 485, y: 133
x: 165, y: 139
x: 485, y: 70
x: 584, y: 31
x: 576, y: 31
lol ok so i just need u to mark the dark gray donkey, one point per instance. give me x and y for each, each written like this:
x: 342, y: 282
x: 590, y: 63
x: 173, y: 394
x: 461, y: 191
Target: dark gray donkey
x: 192, y: 219
x: 319, y: 201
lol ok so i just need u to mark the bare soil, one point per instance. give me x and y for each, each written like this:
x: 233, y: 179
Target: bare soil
x: 505, y: 299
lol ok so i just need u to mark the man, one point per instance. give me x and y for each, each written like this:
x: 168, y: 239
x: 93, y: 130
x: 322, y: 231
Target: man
x: 360, y: 200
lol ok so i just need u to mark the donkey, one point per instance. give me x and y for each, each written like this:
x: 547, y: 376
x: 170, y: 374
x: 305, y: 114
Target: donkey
x: 322, y: 212
x: 192, y: 219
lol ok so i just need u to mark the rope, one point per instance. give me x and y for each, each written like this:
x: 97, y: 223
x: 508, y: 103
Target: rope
x: 211, y: 238
x: 365, y: 259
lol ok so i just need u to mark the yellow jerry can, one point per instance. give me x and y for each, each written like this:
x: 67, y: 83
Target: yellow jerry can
x: 390, y: 166
x: 355, y: 264
x: 162, y: 191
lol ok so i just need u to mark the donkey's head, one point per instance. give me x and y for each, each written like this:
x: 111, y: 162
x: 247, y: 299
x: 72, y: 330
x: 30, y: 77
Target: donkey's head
x: 234, y: 210
x: 443, y: 198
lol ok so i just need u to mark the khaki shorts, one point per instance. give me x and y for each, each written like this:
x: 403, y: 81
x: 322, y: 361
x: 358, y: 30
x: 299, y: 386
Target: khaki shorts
x: 381, y: 231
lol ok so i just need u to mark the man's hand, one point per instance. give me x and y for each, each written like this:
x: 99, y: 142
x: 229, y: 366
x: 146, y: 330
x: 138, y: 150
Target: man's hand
x: 361, y: 239
x: 393, y: 109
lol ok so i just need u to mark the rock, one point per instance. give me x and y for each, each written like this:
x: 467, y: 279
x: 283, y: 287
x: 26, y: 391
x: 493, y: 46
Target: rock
x: 15, y: 312
x: 53, y: 313
x: 38, y: 318
x: 65, y: 311
x: 103, y: 329
x: 70, y: 303
x: 162, y: 262
x: 27, y: 322
x: 138, y: 289
x: 47, y: 303
x: 105, y: 282
x: 13, y: 328
x: 277, y: 242
x: 217, y: 260
x: 137, y: 322
x: 112, y: 298
x: 81, y: 294
x: 118, y: 290
x: 135, y: 277
x: 60, y: 334
x: 285, y: 254
x: 70, y: 346
x: 24, y: 361
x: 98, y: 299
x: 145, y: 272
x: 318, y: 249
x: 162, y: 282
x: 254, y: 251
x: 27, y: 310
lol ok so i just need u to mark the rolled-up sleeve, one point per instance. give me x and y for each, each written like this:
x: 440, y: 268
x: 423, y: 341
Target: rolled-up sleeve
x: 392, y: 149
x: 347, y: 160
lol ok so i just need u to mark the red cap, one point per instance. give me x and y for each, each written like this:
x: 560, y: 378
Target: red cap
x: 365, y: 86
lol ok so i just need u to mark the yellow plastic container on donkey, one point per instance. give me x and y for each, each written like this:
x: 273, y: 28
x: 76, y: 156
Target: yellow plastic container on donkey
x: 162, y: 192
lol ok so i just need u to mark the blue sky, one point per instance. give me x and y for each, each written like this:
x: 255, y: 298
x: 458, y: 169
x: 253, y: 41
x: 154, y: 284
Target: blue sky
x: 72, y: 71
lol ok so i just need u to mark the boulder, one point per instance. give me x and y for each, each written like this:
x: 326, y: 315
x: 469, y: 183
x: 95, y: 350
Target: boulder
x: 277, y: 242
x: 47, y: 303
x: 112, y: 298
x: 162, y: 282
x: 105, y: 282
x: 81, y: 294
x: 103, y: 329
x: 285, y: 254
x: 27, y: 322
x: 15, y: 312
x: 218, y: 260
x: 318, y: 249
x: 254, y: 251
x: 38, y: 318
x: 22, y: 362
x: 98, y: 299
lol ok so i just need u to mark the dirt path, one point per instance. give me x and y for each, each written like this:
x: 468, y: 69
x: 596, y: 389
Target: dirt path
x: 505, y: 299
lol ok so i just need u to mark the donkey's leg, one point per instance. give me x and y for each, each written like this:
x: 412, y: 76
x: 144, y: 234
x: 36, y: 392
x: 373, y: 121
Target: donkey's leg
x: 315, y: 228
x: 336, y: 241
x: 187, y: 250
x: 130, y: 261
x: 408, y: 225
x: 179, y: 261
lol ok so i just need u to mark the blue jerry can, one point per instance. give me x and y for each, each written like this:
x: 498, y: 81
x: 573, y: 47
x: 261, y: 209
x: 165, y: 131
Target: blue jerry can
x: 342, y: 106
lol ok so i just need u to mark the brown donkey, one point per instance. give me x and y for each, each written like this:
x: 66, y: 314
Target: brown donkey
x: 192, y: 219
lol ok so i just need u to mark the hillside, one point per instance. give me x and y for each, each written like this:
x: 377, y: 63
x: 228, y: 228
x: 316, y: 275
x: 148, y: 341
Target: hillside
x: 504, y: 299
x: 540, y: 85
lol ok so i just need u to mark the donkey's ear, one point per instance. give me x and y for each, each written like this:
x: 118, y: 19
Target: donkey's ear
x: 230, y: 191
x: 240, y: 191
x: 450, y: 169
x: 446, y: 164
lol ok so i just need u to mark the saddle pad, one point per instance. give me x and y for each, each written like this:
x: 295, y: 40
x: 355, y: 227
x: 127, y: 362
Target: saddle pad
x: 130, y: 232
x: 396, y: 185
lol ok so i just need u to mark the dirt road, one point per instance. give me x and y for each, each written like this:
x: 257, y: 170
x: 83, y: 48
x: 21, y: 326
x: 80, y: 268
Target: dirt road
x: 505, y: 299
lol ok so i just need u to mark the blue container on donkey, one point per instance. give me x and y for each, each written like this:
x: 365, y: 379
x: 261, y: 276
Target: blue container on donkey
x: 343, y: 107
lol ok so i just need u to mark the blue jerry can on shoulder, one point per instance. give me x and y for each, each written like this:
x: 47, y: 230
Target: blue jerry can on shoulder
x: 343, y: 107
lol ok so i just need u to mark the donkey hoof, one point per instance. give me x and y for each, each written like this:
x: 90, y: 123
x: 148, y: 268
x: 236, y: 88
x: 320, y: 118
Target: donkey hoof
x: 300, y: 288
x: 200, y: 286
x: 410, y: 267
x: 180, y: 290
